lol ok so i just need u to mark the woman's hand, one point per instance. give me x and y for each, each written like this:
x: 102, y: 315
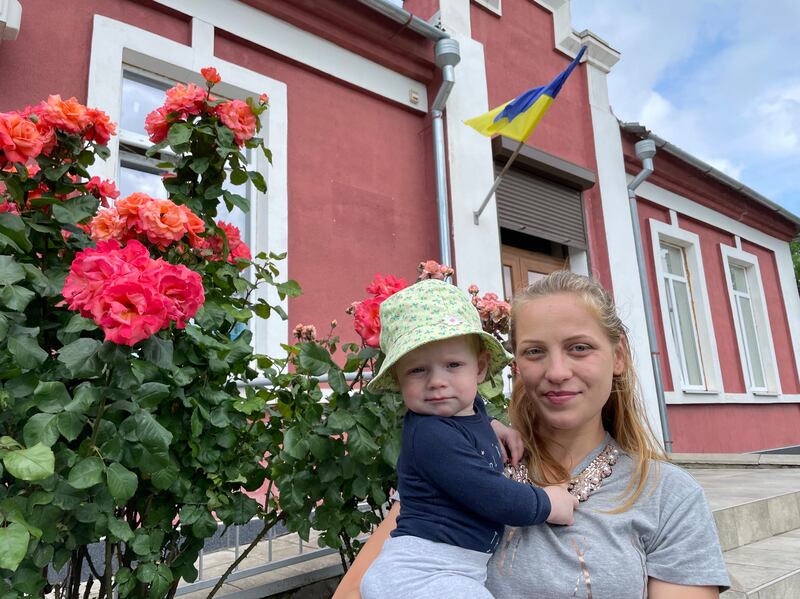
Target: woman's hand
x: 511, y: 442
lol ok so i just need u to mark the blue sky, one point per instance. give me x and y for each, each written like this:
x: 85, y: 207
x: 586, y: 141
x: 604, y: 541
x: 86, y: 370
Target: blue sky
x: 718, y: 78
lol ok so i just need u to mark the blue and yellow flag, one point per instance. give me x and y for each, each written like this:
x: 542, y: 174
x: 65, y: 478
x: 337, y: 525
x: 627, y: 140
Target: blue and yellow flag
x: 516, y: 119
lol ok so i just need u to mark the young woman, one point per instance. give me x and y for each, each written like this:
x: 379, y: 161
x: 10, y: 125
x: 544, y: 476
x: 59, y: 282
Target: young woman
x: 643, y: 527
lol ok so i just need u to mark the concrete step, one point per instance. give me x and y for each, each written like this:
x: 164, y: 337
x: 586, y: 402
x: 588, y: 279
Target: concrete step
x: 766, y: 569
x: 751, y: 504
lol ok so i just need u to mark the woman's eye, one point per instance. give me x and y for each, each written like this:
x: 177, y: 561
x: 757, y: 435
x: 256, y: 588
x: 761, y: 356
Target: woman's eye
x: 454, y: 364
x: 581, y: 347
x: 532, y: 352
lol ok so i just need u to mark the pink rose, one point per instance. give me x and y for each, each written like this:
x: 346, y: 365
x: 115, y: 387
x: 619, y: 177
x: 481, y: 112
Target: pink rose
x: 107, y: 224
x: 129, y: 310
x: 368, y: 322
x: 101, y: 128
x: 383, y: 287
x: 102, y: 189
x: 182, y: 290
x: 211, y: 75
x: 157, y: 124
x: 19, y: 138
x: 7, y: 206
x: 68, y: 115
x: 185, y: 99
x: 237, y: 116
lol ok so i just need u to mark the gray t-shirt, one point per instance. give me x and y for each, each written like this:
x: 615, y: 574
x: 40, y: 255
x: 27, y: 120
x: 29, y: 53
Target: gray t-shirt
x: 668, y: 534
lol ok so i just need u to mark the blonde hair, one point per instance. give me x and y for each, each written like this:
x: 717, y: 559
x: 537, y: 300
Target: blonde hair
x: 623, y: 415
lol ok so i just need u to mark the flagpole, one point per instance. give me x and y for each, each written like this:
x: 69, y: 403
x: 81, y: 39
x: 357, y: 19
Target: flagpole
x: 476, y: 214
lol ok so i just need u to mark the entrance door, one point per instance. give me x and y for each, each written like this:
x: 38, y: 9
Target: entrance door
x: 521, y: 268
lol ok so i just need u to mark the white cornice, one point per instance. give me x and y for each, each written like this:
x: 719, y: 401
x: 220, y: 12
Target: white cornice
x: 10, y: 17
x: 569, y: 41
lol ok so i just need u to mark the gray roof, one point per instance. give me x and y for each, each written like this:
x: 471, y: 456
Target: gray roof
x: 642, y: 132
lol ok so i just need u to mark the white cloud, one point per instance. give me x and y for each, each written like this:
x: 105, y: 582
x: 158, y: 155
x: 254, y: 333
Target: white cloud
x: 718, y: 78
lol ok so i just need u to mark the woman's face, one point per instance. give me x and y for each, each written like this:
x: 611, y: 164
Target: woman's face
x: 566, y: 362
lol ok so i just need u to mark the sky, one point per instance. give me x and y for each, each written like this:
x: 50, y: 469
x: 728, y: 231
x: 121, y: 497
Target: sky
x: 717, y: 78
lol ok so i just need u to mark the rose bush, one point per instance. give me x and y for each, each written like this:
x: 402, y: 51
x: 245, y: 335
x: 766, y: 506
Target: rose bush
x: 126, y: 412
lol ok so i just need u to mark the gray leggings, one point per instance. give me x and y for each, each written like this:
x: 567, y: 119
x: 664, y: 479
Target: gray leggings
x: 414, y: 568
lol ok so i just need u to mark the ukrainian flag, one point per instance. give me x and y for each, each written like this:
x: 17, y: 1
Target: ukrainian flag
x: 516, y: 119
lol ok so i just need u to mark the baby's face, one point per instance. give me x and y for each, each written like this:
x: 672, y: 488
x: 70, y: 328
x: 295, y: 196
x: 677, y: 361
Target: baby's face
x: 441, y: 378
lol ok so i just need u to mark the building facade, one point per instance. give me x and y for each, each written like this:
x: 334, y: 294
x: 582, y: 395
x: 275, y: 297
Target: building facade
x: 353, y: 186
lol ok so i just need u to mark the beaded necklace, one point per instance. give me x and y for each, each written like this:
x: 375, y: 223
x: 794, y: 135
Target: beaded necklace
x: 586, y: 482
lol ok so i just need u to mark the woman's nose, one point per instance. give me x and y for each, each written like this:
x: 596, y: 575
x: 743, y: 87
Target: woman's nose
x: 558, y: 369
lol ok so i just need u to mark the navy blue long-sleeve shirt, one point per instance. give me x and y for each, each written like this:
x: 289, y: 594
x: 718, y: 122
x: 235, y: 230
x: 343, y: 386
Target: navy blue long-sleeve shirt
x: 451, y: 483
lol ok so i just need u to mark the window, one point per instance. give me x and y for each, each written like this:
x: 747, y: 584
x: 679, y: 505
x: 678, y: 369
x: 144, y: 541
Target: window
x: 142, y: 93
x: 685, y: 313
x: 751, y: 321
x: 492, y: 5
x: 681, y: 315
x: 129, y: 71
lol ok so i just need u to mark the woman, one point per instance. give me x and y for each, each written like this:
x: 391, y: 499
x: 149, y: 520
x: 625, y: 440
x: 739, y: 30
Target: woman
x: 643, y: 527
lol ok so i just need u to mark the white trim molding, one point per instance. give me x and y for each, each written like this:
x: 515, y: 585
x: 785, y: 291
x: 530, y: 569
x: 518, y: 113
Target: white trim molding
x: 278, y: 36
x: 709, y: 356
x: 10, y: 19
x: 766, y: 347
x: 676, y: 399
x: 116, y: 45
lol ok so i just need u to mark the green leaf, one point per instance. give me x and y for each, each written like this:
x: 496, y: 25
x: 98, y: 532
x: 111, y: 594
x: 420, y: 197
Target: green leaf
x: 152, y: 435
x: 15, y: 297
x: 10, y: 270
x: 314, y: 359
x: 34, y: 463
x: 86, y: 473
x: 41, y: 428
x: 321, y: 447
x: 238, y: 176
x: 150, y: 394
x: 360, y: 443
x: 241, y: 510
x: 199, y: 165
x: 25, y: 348
x: 158, y: 351
x: 294, y: 444
x: 78, y: 324
x: 75, y: 210
x: 122, y: 483
x: 12, y: 231
x: 70, y: 424
x: 258, y: 181
x: 51, y: 396
x: 161, y: 582
x: 84, y: 397
x: 234, y: 199
x: 337, y: 381
x: 14, y: 541
x: 290, y: 288
x: 120, y: 529
x: 340, y: 420
x: 80, y: 357
x: 179, y: 133
x: 56, y: 172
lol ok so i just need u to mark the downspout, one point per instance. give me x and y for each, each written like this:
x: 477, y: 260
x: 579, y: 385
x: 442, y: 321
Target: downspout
x: 645, y: 150
x: 447, y: 57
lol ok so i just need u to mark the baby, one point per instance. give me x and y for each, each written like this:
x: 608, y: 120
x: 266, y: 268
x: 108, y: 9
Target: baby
x: 455, y: 498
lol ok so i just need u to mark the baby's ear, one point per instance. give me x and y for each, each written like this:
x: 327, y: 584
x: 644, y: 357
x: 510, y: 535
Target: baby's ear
x: 483, y: 365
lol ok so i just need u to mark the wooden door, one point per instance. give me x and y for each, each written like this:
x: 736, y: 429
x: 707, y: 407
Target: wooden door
x: 521, y: 268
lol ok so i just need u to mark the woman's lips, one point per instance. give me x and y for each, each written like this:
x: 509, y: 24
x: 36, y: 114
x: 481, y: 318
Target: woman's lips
x: 560, y: 397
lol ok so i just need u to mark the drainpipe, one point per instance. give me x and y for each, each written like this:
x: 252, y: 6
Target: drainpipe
x: 645, y: 150
x: 447, y: 57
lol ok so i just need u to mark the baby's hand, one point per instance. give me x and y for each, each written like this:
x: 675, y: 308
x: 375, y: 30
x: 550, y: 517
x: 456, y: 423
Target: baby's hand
x: 562, y: 504
x: 511, y: 444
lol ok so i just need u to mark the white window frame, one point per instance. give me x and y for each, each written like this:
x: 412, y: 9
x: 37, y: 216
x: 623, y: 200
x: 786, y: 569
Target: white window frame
x: 116, y: 45
x: 704, y: 330
x: 495, y: 6
x: 738, y: 257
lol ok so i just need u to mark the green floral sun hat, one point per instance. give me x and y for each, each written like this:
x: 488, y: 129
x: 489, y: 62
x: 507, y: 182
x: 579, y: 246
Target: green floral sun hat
x: 427, y: 311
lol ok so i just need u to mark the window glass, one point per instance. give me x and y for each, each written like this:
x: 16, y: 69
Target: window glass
x: 683, y: 306
x: 139, y: 97
x: 132, y: 179
x: 751, y: 342
x: 672, y: 259
x: 508, y: 287
x: 739, y: 278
